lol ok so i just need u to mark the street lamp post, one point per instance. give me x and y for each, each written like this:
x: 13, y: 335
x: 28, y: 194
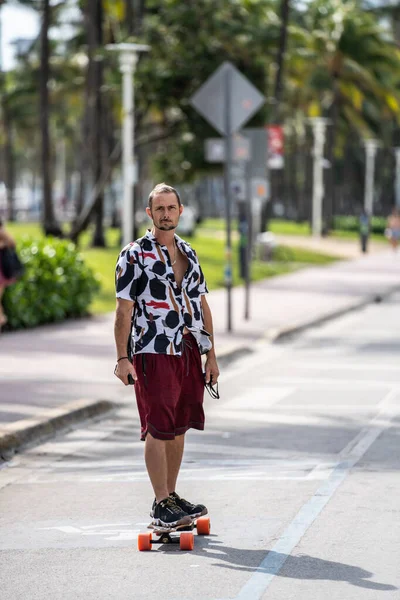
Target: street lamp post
x: 319, y: 130
x: 128, y: 55
x: 371, y: 147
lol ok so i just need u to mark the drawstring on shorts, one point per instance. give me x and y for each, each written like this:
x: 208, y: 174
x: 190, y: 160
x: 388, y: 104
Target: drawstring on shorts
x: 144, y: 369
x: 186, y: 345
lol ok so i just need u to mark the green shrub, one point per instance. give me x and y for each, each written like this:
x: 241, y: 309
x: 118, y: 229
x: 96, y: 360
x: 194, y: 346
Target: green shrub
x: 378, y: 224
x: 290, y: 254
x: 56, y: 284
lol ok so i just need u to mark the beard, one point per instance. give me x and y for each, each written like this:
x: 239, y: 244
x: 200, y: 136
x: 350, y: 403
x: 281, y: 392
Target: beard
x: 165, y: 226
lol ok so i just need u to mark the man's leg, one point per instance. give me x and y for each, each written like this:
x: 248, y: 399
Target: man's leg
x: 155, y: 455
x: 174, y: 453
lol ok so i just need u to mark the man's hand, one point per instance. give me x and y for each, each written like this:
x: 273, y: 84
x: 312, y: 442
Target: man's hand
x: 123, y: 368
x: 212, y: 371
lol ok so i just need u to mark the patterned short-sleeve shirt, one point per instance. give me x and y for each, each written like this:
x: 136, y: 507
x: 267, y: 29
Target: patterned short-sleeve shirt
x: 144, y: 275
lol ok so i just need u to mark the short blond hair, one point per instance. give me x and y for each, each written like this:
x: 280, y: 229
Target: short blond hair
x: 163, y: 188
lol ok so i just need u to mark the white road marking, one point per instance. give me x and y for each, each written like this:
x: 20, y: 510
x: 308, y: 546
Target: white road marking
x: 107, y: 531
x: 279, y: 553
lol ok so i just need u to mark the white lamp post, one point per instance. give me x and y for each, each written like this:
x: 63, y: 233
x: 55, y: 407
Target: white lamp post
x: 371, y: 147
x: 397, y: 178
x: 127, y: 62
x: 319, y: 129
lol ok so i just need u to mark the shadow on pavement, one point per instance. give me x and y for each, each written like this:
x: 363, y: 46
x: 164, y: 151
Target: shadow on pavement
x: 295, y: 567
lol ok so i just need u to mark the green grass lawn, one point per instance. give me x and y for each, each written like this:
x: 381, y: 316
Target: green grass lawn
x: 282, y: 227
x: 210, y: 250
x: 353, y: 235
x: 275, y: 225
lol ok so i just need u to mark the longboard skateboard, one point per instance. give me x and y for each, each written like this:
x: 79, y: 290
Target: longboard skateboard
x: 185, y: 537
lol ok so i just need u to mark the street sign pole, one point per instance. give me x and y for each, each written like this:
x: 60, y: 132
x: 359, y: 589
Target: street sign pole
x: 227, y: 100
x: 249, y: 244
x: 228, y: 171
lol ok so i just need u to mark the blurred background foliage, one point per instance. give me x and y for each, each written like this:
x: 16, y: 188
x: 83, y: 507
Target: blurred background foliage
x: 61, y: 114
x: 56, y: 284
x: 341, y: 60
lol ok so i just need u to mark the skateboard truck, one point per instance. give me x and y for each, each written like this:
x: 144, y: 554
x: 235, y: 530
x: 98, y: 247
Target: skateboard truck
x: 184, y: 537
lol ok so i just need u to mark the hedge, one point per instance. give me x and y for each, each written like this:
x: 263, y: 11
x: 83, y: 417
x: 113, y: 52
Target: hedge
x: 351, y: 223
x: 56, y: 285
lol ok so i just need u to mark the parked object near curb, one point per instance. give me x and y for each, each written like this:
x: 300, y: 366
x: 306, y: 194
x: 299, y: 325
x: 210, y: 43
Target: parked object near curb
x: 265, y: 244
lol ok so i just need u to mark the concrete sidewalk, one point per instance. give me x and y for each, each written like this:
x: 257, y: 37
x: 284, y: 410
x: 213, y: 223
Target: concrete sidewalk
x: 65, y: 372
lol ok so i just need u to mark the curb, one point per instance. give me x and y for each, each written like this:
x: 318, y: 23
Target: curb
x: 283, y: 334
x: 228, y: 357
x: 28, y: 432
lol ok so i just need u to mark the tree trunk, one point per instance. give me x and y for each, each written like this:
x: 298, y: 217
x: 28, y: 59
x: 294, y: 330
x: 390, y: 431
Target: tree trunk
x: 9, y: 159
x: 285, y: 10
x: 276, y: 175
x: 138, y: 14
x: 330, y: 178
x: 50, y: 225
x: 84, y: 162
x: 98, y: 125
x: 129, y: 17
x: 92, y: 129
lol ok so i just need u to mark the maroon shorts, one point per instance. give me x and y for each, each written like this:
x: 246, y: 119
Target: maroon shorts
x: 169, y: 391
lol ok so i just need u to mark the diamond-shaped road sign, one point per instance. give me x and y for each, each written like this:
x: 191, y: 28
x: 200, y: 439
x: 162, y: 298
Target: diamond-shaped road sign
x: 211, y: 99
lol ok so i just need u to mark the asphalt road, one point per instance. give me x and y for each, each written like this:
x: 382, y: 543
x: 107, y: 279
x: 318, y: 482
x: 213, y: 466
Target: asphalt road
x: 299, y: 467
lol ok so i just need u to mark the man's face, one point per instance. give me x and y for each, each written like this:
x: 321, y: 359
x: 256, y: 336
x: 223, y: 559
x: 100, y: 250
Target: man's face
x: 165, y: 211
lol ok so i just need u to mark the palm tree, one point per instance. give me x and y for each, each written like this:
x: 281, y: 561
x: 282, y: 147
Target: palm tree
x: 7, y: 150
x: 50, y: 224
x: 276, y: 113
x: 346, y: 70
x: 94, y: 30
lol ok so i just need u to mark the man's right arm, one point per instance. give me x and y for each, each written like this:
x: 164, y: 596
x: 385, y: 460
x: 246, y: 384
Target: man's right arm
x: 122, y: 328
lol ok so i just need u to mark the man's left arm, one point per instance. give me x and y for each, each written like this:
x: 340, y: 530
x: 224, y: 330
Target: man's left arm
x: 211, y: 366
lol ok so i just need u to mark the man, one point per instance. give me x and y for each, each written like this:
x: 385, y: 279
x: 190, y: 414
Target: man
x: 159, y: 278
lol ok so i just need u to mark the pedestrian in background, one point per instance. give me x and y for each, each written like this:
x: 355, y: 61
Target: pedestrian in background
x: 393, y: 228
x: 159, y: 279
x: 6, y: 241
x: 364, y: 229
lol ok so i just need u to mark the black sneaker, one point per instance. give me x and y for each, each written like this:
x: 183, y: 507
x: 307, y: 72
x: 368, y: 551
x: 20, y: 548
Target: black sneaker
x: 168, y: 514
x: 193, y: 510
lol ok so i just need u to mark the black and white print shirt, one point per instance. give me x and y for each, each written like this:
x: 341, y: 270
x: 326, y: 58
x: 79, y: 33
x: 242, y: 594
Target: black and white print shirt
x: 144, y: 274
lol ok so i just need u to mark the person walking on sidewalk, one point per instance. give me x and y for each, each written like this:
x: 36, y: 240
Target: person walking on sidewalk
x: 6, y: 241
x: 160, y: 282
x: 364, y: 229
x: 393, y: 228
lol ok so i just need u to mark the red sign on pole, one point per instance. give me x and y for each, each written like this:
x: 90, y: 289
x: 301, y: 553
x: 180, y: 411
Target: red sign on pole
x: 275, y: 146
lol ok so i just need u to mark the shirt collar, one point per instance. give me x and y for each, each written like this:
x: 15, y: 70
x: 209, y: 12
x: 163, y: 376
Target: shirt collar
x: 181, y: 243
x: 184, y: 246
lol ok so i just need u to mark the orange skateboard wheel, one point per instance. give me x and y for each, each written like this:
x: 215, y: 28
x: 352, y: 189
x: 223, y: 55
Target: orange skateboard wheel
x: 203, y: 525
x: 144, y: 541
x: 186, y: 541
